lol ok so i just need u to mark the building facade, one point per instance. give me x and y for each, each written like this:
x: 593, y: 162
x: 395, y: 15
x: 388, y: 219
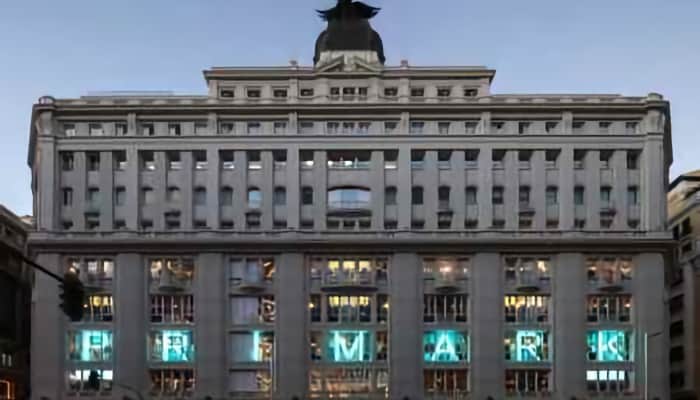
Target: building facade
x: 353, y: 230
x: 15, y: 301
x: 684, y: 221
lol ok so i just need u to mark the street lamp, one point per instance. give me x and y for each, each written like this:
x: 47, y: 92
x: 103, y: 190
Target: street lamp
x: 646, y: 361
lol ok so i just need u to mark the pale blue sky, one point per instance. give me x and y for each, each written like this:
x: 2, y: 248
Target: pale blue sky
x: 69, y: 47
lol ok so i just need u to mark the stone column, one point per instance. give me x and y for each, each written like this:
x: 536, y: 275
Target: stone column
x: 652, y: 318
x: 293, y: 179
x: 210, y: 298
x: 485, y: 185
x: 430, y: 190
x: 291, y: 347
x: 48, y: 333
x: 130, y: 321
x: 566, y: 188
x: 403, y: 197
x: 405, y: 340
x: 488, y: 373
x: 569, y: 324
x: 377, y: 186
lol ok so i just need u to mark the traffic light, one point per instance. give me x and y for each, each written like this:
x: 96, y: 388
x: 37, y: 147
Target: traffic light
x: 72, y: 296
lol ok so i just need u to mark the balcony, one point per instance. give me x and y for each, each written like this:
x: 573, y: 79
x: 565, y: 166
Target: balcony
x: 171, y: 281
x: 341, y: 280
x: 528, y: 282
x: 253, y: 280
x: 610, y: 284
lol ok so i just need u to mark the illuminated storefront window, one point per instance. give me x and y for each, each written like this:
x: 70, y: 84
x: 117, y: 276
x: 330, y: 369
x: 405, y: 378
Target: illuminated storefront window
x: 347, y: 381
x: 350, y: 346
x: 90, y: 345
x: 527, y: 309
x: 527, y: 272
x: 253, y: 346
x: 172, y: 382
x: 171, y: 346
x: 528, y: 382
x: 78, y: 379
x: 445, y: 347
x: 527, y: 346
x: 609, y: 345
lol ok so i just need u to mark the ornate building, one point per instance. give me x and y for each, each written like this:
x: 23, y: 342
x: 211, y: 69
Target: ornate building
x: 353, y: 230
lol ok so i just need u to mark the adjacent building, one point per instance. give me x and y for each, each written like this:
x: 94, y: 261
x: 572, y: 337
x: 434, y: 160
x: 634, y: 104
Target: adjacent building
x: 353, y: 230
x: 15, y: 301
x: 684, y: 221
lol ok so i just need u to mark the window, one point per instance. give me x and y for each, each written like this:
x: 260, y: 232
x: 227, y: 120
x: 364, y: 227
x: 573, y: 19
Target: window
x: 445, y: 308
x: 470, y: 194
x: 226, y: 197
x: 527, y: 309
x: 79, y: 380
x: 524, y: 196
x: 200, y: 160
x: 90, y: 345
x: 362, y: 91
x: 390, y: 126
x: 93, y: 161
x: 391, y: 92
x: 417, y: 92
x: 174, y: 160
x: 254, y: 127
x: 227, y: 93
x: 252, y: 310
x: 525, y: 346
x: 605, y: 196
x: 96, y: 130
x: 349, y: 198
x: 632, y: 159
x: 176, y: 383
x: 306, y: 92
x: 527, y: 272
x: 391, y: 159
x: 254, y: 198
x: 580, y: 223
x: 227, y: 128
x: 67, y: 162
x: 200, y: 196
x: 279, y: 159
x: 444, y: 157
x: 173, y: 194
x: 279, y: 127
x: 497, y: 157
x: 93, y: 197
x: 172, y: 309
x: 119, y: 157
x: 578, y: 126
x: 307, y: 196
x: 497, y: 195
x: 471, y: 92
x: 498, y: 126
x: 148, y: 162
x: 227, y: 160
x: 119, y: 196
x: 67, y: 197
x: 200, y: 128
x: 470, y: 127
x: 349, y: 159
x: 445, y: 347
x: 147, y: 196
x: 602, y: 309
x: 279, y: 93
x: 550, y: 126
x: 605, y: 156
x: 279, y: 196
x: 609, y: 345
x: 609, y: 381
x: 471, y: 158
x: 174, y: 130
x: 446, y: 383
x: 524, y: 157
x: 444, y: 198
x: 609, y: 272
x: 631, y: 127
x: 147, y: 130
x: 349, y: 91
x: 633, y: 195
x: 579, y: 195
x: 417, y: 159
x: 171, y: 346
x: 417, y: 127
x: 349, y: 309
x: 444, y: 92
x: 254, y: 160
x: 332, y: 127
x: 579, y: 159
x: 551, y: 157
x: 335, y: 92
x: 253, y: 93
x: 528, y: 382
x: 417, y: 195
x: 390, y: 196
x: 524, y: 127
x: 604, y: 127
x: 443, y: 128
x: 552, y: 195
x: 307, y: 159
x: 69, y: 130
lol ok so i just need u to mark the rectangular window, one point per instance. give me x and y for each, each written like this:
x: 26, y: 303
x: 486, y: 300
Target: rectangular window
x: 96, y: 130
x: 247, y: 310
x: 79, y: 380
x: 417, y: 92
x: 306, y: 92
x: 631, y: 127
x: 69, y: 130
x: 470, y: 127
x: 280, y: 93
x: 251, y: 272
x: 633, y: 195
x: 605, y: 157
x: 119, y: 157
x: 93, y: 197
x: 391, y: 91
x: 609, y: 345
x: 633, y: 159
x: 551, y: 157
x: 200, y: 160
x: 417, y: 127
x: 148, y: 162
x: 471, y: 193
x: 253, y: 93
x: 579, y: 159
x: 528, y: 382
x: 67, y: 197
x: 443, y: 128
x: 527, y: 309
x: 174, y: 160
x: 227, y: 128
x: 250, y: 381
x: 348, y: 346
x: 445, y: 347
x: 524, y: 346
x: 119, y: 196
x: 605, y: 196
x: 417, y: 159
x: 444, y: 158
x: 174, y: 130
x: 497, y: 195
x: 171, y: 346
x: 439, y: 308
x: 172, y: 309
x: 67, y: 161
x: 471, y: 158
x: 349, y: 309
x: 279, y: 127
x: 176, y: 383
x: 89, y: 345
x: 254, y: 128
x: 524, y: 127
x: 390, y: 126
x: 550, y: 126
x: 616, y: 308
x: 255, y: 346
x: 254, y: 160
x: 497, y: 158
x: 446, y: 383
x: 609, y: 381
x: 227, y: 160
x: 524, y: 196
x: 98, y: 308
x: 200, y: 128
x: 93, y: 161
x: 552, y: 195
x: 579, y: 195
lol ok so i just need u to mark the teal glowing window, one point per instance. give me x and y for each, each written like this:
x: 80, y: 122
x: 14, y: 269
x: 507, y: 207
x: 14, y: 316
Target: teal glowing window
x: 349, y: 346
x: 90, y: 345
x: 171, y: 346
x: 255, y: 346
x: 445, y: 346
x: 613, y: 345
x: 527, y: 346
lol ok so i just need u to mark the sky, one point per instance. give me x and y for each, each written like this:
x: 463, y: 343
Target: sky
x: 68, y: 48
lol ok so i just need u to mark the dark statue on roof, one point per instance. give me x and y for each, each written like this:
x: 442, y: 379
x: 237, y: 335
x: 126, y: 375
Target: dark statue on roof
x: 349, y: 29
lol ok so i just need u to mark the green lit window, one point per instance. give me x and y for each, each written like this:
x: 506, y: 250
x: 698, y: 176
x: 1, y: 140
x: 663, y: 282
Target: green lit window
x: 527, y: 346
x: 609, y: 346
x: 445, y: 346
x: 172, y: 346
x: 350, y: 346
x: 90, y: 345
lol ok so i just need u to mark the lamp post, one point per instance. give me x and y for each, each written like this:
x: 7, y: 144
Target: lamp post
x: 647, y: 335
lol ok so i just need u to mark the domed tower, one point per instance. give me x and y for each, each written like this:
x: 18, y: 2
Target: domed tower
x: 349, y: 34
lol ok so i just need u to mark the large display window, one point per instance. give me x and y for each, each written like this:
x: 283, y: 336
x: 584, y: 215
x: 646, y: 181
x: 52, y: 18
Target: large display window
x: 350, y: 346
x: 171, y: 346
x: 527, y: 346
x: 609, y: 345
x: 445, y: 346
x: 90, y: 345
